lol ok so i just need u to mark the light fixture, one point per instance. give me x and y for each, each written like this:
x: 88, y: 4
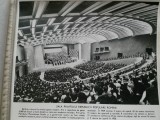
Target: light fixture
x: 66, y: 20
x: 34, y: 23
x: 56, y: 27
x: 51, y: 20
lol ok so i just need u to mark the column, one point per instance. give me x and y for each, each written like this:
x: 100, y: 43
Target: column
x: 38, y: 56
x: 29, y: 50
x: 86, y: 51
x: 80, y: 51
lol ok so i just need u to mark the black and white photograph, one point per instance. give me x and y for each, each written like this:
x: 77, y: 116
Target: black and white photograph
x: 86, y: 52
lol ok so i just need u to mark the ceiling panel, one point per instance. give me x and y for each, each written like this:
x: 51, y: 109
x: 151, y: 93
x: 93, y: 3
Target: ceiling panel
x: 106, y: 6
x: 39, y: 29
x: 24, y: 23
x: 68, y: 22
x: 55, y: 6
x: 26, y: 31
x: 42, y: 21
x: 26, y: 8
x: 82, y: 6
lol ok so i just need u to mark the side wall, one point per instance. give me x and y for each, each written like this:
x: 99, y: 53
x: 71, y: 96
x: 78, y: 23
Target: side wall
x: 127, y: 46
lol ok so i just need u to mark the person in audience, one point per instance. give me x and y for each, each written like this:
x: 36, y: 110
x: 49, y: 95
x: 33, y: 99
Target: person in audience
x: 150, y: 95
x: 128, y: 94
x: 107, y: 97
x: 67, y: 99
x: 83, y: 95
x: 74, y: 94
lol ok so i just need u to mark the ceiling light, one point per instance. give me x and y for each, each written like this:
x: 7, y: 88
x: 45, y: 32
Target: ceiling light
x: 66, y: 20
x: 33, y: 31
x: 50, y: 21
x: 66, y: 26
x: 34, y: 23
x: 80, y: 19
x: 56, y: 27
x: 45, y: 29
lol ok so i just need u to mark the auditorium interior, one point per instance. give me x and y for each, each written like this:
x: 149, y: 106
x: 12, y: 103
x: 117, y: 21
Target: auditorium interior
x: 86, y: 52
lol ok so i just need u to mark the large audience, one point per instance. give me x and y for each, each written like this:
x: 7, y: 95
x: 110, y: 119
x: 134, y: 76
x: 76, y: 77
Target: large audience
x: 104, y: 69
x: 139, y: 87
x: 61, y: 75
x: 138, y: 54
x: 90, y: 65
x: 90, y: 69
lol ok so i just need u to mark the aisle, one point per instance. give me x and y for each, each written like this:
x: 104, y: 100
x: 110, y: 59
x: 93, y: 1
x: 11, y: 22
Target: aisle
x: 144, y: 65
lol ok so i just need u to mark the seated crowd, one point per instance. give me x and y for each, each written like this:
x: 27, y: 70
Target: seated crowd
x: 90, y: 65
x: 144, y: 55
x: 104, y: 69
x: 139, y: 87
x: 67, y: 74
x: 61, y: 75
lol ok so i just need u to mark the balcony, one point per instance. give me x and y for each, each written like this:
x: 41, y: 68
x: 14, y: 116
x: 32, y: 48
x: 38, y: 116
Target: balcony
x: 101, y: 52
x: 21, y: 63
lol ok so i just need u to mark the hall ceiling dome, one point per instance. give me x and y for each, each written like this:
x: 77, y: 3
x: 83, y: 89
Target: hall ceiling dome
x: 70, y: 22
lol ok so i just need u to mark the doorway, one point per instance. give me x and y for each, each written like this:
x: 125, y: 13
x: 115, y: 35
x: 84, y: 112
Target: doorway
x: 119, y: 55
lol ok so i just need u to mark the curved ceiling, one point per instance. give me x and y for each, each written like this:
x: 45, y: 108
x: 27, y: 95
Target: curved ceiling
x: 71, y: 22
